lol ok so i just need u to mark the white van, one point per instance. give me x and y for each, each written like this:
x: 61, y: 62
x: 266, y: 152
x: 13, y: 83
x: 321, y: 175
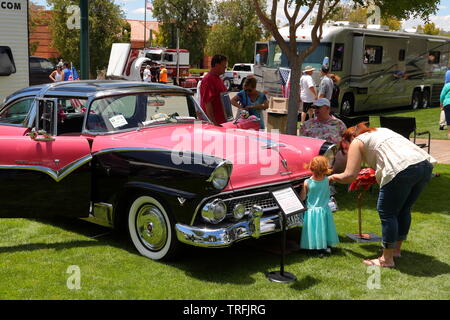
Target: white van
x: 14, y: 65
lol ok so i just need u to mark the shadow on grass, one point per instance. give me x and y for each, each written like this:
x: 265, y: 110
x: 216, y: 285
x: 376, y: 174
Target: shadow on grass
x: 305, y: 283
x: 40, y: 246
x: 411, y: 263
x: 237, y: 264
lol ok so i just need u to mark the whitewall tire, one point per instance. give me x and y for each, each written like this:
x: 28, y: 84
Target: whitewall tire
x: 150, y: 228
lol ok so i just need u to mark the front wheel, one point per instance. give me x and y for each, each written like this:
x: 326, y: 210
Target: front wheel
x: 151, y: 228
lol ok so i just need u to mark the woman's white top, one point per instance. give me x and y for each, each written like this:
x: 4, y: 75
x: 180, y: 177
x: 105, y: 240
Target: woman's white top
x: 388, y: 153
x: 58, y: 76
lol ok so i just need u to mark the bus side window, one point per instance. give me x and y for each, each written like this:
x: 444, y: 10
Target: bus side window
x: 338, y: 57
x: 434, y: 57
x: 373, y: 54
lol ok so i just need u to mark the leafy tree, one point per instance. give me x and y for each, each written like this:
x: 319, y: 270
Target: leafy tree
x: 37, y: 17
x: 346, y: 12
x: 430, y: 28
x: 235, y: 29
x: 190, y: 17
x: 106, y: 26
x: 400, y: 9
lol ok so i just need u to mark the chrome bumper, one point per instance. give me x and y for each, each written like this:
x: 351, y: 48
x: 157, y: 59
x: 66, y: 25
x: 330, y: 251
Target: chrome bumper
x: 224, y: 236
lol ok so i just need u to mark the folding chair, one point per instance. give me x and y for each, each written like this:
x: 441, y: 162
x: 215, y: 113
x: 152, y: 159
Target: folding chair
x: 405, y: 126
x: 353, y: 121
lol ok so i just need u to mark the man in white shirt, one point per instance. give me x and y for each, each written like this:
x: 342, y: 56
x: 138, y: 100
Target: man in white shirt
x: 147, y: 74
x: 307, y: 93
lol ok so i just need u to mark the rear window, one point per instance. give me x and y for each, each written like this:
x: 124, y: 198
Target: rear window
x: 242, y: 67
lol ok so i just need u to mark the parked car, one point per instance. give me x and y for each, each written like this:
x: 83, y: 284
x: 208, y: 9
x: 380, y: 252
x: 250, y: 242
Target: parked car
x: 40, y: 69
x: 240, y: 72
x: 139, y: 156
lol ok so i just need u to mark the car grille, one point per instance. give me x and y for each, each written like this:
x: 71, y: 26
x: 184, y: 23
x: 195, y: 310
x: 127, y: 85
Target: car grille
x: 266, y: 202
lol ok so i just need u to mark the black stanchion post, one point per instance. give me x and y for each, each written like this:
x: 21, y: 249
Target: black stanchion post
x: 281, y: 276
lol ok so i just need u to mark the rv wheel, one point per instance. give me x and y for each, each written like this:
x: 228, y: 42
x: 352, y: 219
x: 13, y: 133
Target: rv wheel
x: 416, y: 100
x: 425, y: 99
x: 347, y: 105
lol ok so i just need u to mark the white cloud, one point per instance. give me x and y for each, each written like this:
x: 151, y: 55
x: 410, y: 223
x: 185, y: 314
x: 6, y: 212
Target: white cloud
x: 441, y: 22
x: 138, y: 11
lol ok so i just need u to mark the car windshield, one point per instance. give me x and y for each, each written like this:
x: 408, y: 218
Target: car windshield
x: 112, y: 114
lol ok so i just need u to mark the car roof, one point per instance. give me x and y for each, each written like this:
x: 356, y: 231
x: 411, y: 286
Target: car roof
x: 88, y: 88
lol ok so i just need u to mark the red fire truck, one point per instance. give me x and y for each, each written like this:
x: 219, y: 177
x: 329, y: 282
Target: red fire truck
x: 129, y: 64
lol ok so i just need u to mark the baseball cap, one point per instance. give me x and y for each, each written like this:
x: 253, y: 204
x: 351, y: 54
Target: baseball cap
x: 321, y: 102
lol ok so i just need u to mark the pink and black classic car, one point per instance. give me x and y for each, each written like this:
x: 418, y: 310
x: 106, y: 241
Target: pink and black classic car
x: 144, y: 157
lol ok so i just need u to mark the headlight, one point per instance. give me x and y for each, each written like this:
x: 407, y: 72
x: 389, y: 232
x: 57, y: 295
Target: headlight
x: 239, y: 211
x: 214, y: 212
x: 328, y: 150
x: 221, y: 175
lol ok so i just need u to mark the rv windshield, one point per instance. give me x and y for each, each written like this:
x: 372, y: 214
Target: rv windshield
x: 153, y: 56
x: 278, y: 59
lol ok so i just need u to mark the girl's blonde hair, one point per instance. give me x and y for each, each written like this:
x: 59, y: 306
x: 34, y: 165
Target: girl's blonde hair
x: 319, y: 166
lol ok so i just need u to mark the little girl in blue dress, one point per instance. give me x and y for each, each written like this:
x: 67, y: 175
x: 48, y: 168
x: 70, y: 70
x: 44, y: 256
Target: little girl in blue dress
x: 319, y: 230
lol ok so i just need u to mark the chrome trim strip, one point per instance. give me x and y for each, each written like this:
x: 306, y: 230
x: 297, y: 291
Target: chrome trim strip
x: 224, y: 236
x: 56, y: 175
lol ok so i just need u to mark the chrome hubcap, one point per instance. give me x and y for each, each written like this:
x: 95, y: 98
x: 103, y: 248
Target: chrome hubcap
x: 151, y: 227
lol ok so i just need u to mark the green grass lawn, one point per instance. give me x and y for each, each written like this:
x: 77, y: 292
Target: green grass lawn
x: 35, y: 256
x: 426, y: 120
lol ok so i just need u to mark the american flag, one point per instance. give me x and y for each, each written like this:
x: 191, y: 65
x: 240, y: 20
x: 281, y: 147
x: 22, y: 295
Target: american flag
x: 285, y: 77
x: 76, y: 103
x: 148, y: 5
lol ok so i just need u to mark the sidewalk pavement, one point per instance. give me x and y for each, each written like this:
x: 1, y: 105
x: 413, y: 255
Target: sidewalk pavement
x: 439, y: 149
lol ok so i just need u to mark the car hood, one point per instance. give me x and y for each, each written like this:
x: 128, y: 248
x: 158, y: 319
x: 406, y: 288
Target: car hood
x: 258, y: 158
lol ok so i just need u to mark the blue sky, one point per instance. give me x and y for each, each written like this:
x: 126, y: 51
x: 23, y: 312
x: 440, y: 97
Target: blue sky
x: 134, y: 9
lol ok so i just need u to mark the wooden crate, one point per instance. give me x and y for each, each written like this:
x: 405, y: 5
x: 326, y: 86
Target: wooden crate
x: 278, y: 105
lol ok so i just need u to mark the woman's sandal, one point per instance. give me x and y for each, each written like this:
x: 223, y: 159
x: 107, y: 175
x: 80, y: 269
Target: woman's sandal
x: 378, y: 262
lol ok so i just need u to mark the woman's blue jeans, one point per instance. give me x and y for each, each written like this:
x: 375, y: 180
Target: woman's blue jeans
x: 396, y: 199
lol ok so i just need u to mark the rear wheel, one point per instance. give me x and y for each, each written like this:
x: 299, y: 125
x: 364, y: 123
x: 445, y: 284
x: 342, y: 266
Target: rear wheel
x: 425, y: 99
x: 227, y: 83
x: 151, y: 228
x: 416, y: 100
x: 347, y: 105
x: 241, y: 86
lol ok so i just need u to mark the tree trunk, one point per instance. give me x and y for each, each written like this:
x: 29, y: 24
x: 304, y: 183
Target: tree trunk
x: 294, y: 96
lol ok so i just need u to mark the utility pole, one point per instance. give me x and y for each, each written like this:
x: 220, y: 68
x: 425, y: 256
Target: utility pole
x: 178, y: 57
x: 145, y: 23
x: 84, y: 39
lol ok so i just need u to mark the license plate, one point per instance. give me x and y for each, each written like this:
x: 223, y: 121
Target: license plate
x: 295, y: 220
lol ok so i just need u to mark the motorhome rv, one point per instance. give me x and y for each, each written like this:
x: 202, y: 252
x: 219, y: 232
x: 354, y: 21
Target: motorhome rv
x: 378, y: 68
x: 14, y: 65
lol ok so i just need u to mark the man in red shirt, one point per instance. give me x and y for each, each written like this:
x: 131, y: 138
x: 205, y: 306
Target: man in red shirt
x: 211, y: 88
